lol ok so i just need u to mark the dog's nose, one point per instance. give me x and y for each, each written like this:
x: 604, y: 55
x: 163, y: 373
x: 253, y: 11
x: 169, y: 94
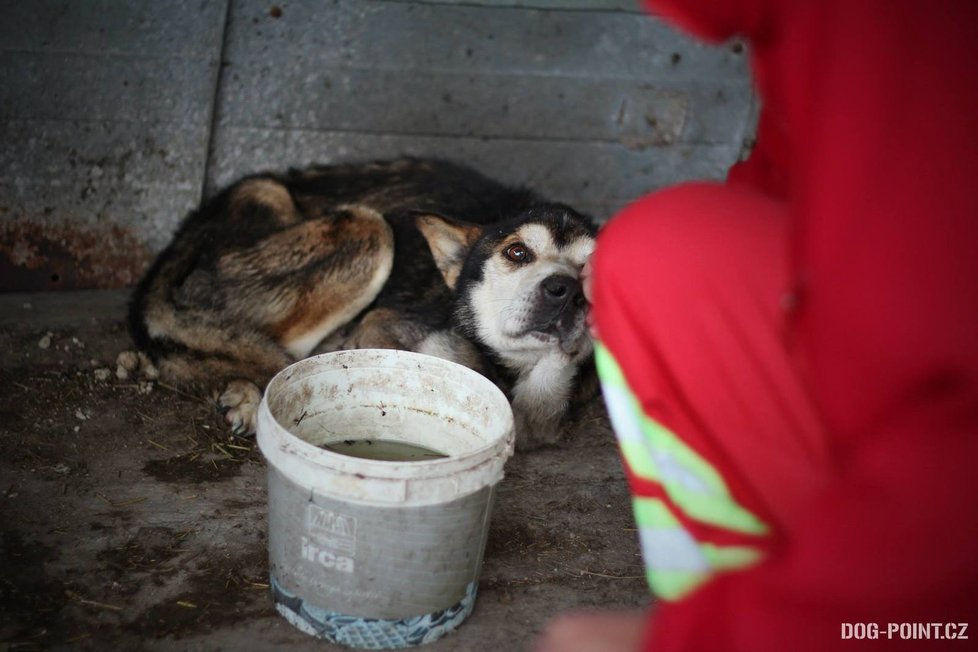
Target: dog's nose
x: 560, y: 289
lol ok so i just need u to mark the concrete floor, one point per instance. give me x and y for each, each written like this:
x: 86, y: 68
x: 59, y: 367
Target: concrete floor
x: 131, y: 521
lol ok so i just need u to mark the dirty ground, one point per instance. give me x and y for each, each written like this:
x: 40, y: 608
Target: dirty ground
x: 129, y: 519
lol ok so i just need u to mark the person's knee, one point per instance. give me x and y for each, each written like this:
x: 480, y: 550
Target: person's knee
x: 661, y: 231
x: 691, y: 229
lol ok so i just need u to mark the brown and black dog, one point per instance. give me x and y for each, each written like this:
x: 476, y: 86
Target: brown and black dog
x: 422, y: 255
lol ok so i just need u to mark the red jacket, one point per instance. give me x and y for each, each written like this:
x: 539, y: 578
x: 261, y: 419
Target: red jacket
x: 869, y: 133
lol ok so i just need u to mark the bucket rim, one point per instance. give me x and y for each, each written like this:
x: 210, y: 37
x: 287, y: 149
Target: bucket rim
x: 284, y: 449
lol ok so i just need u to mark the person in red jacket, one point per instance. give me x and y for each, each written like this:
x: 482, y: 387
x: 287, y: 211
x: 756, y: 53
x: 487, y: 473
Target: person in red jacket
x: 790, y: 359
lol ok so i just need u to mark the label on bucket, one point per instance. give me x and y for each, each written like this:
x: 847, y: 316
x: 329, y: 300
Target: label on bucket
x: 374, y: 561
x: 331, y: 530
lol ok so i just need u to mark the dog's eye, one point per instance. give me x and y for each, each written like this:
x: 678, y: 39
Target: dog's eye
x: 518, y: 252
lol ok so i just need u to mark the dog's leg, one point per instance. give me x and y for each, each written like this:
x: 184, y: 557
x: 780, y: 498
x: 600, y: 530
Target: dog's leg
x: 385, y: 328
x: 322, y: 273
x: 451, y: 346
x: 278, y: 299
x: 540, y: 399
x: 337, y: 267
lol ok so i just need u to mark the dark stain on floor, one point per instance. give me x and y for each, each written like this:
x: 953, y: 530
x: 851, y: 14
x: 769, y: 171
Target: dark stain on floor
x: 193, y: 468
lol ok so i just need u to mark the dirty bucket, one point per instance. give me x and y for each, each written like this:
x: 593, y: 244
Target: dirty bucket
x: 376, y: 553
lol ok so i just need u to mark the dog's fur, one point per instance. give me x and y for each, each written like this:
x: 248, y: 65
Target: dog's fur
x: 422, y: 255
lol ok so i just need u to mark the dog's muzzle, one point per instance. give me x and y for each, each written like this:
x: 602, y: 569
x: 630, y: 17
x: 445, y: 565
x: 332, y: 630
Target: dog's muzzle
x: 560, y: 309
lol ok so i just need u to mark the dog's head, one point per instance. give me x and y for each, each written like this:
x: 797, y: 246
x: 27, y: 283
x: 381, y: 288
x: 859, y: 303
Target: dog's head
x: 518, y: 282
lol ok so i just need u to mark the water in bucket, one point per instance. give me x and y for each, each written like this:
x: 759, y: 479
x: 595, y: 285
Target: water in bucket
x: 386, y: 450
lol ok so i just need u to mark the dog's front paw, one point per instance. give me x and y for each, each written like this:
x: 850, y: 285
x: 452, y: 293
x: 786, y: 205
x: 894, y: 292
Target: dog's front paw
x: 135, y: 363
x: 540, y: 400
x: 534, y: 431
x: 239, y: 405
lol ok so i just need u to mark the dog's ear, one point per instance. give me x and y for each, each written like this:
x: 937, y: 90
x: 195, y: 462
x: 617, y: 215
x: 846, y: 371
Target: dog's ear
x: 449, y: 241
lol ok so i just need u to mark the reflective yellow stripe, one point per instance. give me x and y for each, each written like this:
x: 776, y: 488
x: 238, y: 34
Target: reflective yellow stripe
x: 730, y: 557
x: 653, y: 513
x: 673, y: 585
x: 675, y: 562
x: 654, y: 453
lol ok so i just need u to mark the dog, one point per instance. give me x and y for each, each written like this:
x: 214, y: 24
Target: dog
x: 422, y: 255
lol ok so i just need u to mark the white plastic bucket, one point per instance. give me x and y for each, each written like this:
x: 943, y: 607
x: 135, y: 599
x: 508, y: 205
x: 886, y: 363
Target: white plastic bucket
x: 379, y: 554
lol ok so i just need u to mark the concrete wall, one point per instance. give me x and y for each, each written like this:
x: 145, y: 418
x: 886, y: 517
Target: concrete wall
x: 117, y: 117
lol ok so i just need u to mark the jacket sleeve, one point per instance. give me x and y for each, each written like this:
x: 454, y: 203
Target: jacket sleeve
x: 878, y: 100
